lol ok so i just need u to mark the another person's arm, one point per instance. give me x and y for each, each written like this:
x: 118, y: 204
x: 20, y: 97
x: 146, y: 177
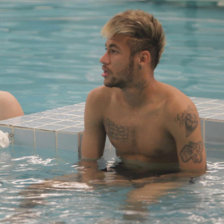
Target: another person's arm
x: 9, y: 106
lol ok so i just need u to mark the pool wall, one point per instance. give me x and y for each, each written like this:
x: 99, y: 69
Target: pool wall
x: 61, y: 128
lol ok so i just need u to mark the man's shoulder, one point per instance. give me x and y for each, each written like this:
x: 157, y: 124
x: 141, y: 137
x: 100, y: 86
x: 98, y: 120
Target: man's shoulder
x: 177, y: 101
x: 99, y: 98
x: 179, y: 110
x: 100, y: 93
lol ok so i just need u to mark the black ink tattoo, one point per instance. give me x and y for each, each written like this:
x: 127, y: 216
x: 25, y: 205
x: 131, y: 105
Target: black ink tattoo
x: 192, y: 151
x: 119, y: 132
x: 189, y: 120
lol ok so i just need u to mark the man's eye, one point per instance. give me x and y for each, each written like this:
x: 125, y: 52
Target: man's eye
x: 112, y: 51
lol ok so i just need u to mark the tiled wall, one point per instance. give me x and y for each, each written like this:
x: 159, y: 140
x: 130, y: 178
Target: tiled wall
x: 211, y: 112
x: 57, y: 129
x: 61, y: 128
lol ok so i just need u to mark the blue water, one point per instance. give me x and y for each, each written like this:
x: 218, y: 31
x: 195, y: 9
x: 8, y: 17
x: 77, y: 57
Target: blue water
x: 75, y: 202
x: 50, y: 50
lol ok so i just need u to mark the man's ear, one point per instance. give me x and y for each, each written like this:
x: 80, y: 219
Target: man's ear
x: 144, y: 57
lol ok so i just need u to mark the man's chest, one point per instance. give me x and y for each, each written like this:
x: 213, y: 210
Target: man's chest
x: 142, y: 134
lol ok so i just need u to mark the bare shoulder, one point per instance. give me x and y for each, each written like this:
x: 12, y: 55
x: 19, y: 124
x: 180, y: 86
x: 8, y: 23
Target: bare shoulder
x: 97, y: 101
x: 99, y: 93
x: 182, y: 114
x: 98, y: 97
x: 6, y: 96
x: 7, y: 99
x: 177, y: 102
x: 9, y: 106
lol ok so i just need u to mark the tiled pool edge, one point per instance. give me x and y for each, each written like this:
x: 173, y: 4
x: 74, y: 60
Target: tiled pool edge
x: 61, y: 128
x: 53, y: 130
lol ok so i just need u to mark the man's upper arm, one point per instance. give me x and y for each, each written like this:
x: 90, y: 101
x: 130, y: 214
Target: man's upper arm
x: 93, y: 139
x: 186, y: 130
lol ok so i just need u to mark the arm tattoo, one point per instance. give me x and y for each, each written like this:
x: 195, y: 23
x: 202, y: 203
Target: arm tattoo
x: 119, y: 132
x: 192, y: 151
x: 189, y: 120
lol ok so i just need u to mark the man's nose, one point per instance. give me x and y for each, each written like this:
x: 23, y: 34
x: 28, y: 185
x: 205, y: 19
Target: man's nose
x: 105, y: 59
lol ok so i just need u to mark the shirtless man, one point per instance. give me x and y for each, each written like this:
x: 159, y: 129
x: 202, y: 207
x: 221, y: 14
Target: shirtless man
x: 9, y: 106
x: 153, y: 126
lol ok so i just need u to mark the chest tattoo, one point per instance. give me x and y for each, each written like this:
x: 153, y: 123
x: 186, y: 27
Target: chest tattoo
x: 120, y: 132
x: 189, y: 120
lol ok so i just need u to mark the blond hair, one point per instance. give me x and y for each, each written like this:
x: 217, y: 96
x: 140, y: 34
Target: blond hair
x: 145, y: 32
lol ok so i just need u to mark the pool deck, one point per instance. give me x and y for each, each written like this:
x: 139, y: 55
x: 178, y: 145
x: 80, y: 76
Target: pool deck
x: 61, y: 128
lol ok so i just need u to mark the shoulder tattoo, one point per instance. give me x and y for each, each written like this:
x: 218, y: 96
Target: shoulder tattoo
x: 119, y: 132
x: 192, y: 151
x: 187, y: 119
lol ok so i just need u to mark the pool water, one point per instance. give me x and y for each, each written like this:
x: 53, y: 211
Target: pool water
x: 49, y: 58
x: 50, y: 49
x: 198, y: 201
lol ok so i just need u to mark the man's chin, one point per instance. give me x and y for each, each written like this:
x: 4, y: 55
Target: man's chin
x: 108, y: 84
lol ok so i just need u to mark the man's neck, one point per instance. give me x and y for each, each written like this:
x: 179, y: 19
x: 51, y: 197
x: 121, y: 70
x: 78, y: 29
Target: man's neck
x: 139, y: 93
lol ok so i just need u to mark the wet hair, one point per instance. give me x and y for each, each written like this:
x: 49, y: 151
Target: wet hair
x: 145, y: 32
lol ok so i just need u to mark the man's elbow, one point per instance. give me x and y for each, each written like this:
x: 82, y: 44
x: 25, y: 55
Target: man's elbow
x: 194, y: 172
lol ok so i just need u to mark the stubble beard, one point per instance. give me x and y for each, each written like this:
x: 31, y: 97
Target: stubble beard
x: 125, y: 77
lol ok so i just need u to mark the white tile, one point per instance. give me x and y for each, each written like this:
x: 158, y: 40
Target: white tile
x: 6, y: 129
x: 45, y: 139
x: 24, y: 136
x: 74, y: 129
x: 214, y: 131
x: 67, y: 141
x: 67, y: 147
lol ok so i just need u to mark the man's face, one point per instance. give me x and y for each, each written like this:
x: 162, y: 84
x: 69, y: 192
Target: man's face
x: 118, y: 66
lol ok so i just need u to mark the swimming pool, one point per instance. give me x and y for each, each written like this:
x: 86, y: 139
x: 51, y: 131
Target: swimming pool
x: 50, y: 49
x: 71, y: 201
x: 49, y: 59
